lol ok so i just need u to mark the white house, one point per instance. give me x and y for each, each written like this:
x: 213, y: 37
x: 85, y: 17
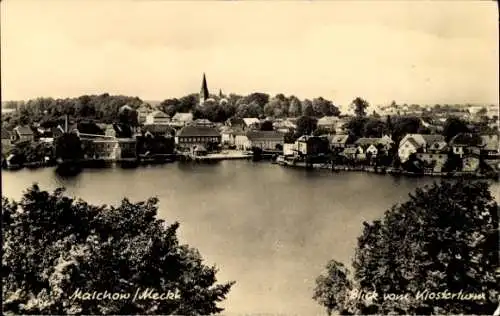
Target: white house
x: 242, y: 142
x: 289, y: 149
x: 411, y: 143
x: 251, y: 122
x: 328, y: 123
x: 181, y: 119
x: 142, y: 112
x: 157, y: 117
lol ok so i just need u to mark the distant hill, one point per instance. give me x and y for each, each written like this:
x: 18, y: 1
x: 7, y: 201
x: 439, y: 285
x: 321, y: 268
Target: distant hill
x: 153, y: 102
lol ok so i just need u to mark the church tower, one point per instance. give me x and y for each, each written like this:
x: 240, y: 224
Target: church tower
x: 204, y: 95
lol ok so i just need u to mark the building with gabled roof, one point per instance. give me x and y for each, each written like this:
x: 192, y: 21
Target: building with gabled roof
x: 412, y: 143
x: 328, y: 123
x: 191, y: 136
x: 251, y: 122
x: 181, y: 119
x: 265, y: 140
x: 157, y: 117
x: 6, y: 138
x: 341, y: 140
x: 23, y: 133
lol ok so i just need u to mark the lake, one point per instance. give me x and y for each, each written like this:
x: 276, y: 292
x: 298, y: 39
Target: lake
x: 269, y: 228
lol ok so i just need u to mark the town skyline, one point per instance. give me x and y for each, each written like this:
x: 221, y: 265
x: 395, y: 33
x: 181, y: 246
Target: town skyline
x: 447, y: 56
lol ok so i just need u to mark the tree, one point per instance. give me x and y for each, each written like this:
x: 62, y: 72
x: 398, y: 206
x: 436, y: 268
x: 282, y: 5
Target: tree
x: 170, y: 106
x: 482, y: 112
x: 325, y: 107
x: 252, y: 110
x: 332, y: 289
x: 359, y: 106
x: 306, y: 125
x: 55, y: 246
x: 68, y: 147
x: 388, y: 126
x: 307, y: 108
x: 295, y: 107
x: 259, y: 98
x: 356, y: 126
x: 454, y: 126
x: 373, y: 128
x: 403, y: 126
x: 446, y: 237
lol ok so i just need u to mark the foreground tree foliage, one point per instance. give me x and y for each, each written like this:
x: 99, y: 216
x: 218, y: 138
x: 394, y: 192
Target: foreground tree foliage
x: 54, y: 245
x: 445, y: 238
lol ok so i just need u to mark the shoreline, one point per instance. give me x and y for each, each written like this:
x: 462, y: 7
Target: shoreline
x: 135, y: 163
x: 386, y: 171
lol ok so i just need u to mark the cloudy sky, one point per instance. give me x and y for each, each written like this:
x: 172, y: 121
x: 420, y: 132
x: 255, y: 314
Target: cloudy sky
x: 413, y: 52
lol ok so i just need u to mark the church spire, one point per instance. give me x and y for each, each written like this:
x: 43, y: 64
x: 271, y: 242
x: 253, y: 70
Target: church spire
x: 220, y: 94
x: 204, y: 95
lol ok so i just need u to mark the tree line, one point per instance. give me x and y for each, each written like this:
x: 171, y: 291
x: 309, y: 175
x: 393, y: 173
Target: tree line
x: 105, y: 107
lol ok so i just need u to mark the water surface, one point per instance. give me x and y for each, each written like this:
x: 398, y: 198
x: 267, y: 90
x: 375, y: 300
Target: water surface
x: 269, y: 228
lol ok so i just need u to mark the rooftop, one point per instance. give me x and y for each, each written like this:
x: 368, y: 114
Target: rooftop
x: 183, y: 117
x: 194, y: 131
x: 339, y: 139
x: 265, y: 135
x: 23, y: 130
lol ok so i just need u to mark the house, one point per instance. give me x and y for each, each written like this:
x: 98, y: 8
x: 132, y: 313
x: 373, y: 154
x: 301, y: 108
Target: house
x: 284, y: 125
x: 350, y: 152
x: 227, y: 136
x: 312, y: 145
x: 23, y: 134
x: 142, y: 112
x: 157, y: 117
x: 341, y: 141
x: 470, y: 163
x: 202, y: 122
x: 127, y: 148
x: 489, y: 146
x: 235, y: 122
x: 387, y: 142
x: 199, y: 150
x: 289, y: 149
x: 104, y: 148
x: 57, y: 131
x: 234, y: 137
x: 368, y: 147
x: 110, y: 130
x: 328, y: 123
x: 251, y: 122
x: 153, y: 130
x: 340, y: 125
x: 241, y: 141
x: 412, y: 143
x: 266, y: 140
x: 6, y: 138
x: 433, y: 161
x: 181, y: 119
x: 192, y: 135
x: 463, y: 143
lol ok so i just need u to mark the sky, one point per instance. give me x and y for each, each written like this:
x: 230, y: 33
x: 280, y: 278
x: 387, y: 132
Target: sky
x: 412, y: 52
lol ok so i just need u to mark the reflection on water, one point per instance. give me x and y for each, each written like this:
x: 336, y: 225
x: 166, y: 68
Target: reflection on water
x: 269, y: 228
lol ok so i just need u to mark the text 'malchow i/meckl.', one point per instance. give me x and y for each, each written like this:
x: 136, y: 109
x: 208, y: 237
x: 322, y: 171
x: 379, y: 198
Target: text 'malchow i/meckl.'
x: 420, y: 295
x: 138, y: 295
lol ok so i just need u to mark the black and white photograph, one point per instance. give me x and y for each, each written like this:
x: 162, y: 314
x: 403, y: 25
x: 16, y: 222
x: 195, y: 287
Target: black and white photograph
x: 250, y: 157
